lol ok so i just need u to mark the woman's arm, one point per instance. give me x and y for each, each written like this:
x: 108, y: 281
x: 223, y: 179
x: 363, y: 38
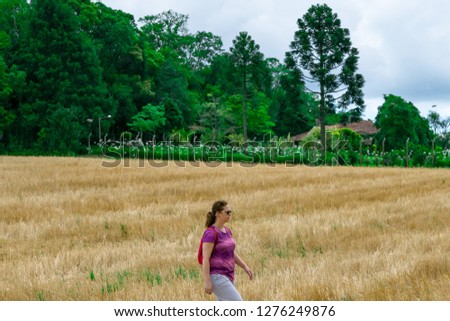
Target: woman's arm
x: 206, y: 251
x: 241, y: 263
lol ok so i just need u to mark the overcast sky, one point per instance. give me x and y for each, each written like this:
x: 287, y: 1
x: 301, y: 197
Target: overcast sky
x: 404, y: 45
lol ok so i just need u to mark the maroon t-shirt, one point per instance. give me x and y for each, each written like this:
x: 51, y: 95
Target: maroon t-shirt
x: 222, y: 256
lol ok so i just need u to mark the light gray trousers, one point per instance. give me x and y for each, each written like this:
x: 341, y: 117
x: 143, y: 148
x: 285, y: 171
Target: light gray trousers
x: 224, y: 289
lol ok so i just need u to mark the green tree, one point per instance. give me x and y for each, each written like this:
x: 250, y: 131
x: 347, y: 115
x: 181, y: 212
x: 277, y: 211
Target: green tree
x: 445, y: 124
x: 180, y: 81
x: 150, y: 119
x: 65, y: 86
x: 128, y: 62
x: 174, y: 116
x: 14, y: 15
x: 168, y: 33
x: 215, y: 121
x: 324, y: 53
x: 444, y: 137
x: 258, y: 119
x: 435, y: 120
x: 246, y: 57
x: 221, y: 75
x: 6, y: 115
x: 172, y: 91
x: 399, y: 120
x: 202, y: 49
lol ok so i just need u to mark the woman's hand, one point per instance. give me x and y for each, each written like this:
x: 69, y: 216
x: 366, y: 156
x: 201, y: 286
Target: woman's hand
x: 241, y: 263
x: 249, y: 272
x: 208, y: 287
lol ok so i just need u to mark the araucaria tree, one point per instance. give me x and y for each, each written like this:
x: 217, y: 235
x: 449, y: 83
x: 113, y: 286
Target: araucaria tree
x: 246, y: 58
x: 323, y: 51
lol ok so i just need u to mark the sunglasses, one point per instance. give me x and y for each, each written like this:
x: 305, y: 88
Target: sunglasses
x: 228, y: 212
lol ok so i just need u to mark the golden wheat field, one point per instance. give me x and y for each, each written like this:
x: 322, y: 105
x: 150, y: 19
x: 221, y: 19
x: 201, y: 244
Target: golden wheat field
x: 72, y: 229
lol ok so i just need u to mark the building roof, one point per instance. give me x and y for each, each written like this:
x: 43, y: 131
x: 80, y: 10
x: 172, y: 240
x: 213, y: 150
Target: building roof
x: 363, y: 127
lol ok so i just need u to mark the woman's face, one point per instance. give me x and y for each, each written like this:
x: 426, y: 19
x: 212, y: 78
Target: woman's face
x: 224, y: 215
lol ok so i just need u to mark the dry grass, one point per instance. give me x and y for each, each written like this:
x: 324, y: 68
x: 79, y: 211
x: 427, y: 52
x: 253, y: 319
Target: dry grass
x: 73, y: 230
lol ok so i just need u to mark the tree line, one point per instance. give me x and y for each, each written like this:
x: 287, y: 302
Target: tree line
x: 71, y: 68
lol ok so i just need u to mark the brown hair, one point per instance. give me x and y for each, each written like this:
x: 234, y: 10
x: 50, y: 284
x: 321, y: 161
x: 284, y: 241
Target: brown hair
x: 211, y: 216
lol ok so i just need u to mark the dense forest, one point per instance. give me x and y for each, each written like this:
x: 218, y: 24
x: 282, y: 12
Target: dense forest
x: 74, y: 71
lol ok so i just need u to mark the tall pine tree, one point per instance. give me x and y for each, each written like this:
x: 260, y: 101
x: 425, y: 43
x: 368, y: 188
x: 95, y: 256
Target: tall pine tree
x: 323, y: 51
x: 246, y: 57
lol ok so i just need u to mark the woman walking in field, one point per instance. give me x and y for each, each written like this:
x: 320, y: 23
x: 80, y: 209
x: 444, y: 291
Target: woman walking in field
x: 219, y: 257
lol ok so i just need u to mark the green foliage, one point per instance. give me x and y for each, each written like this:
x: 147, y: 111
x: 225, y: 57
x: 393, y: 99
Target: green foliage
x: 236, y: 140
x: 181, y: 136
x: 126, y: 136
x: 202, y: 49
x: 40, y: 296
x: 167, y: 31
x: 215, y: 120
x: 152, y: 277
x: 296, y: 107
x: 259, y: 120
x: 435, y: 121
x: 149, y: 119
x: 312, y: 136
x: 181, y: 272
x: 64, y: 79
x: 7, y: 117
x: 124, y: 230
x: 351, y: 139
x: 110, y: 286
x: 173, y: 113
x: 126, y: 60
x: 66, y: 64
x: 342, y: 144
x: 399, y: 121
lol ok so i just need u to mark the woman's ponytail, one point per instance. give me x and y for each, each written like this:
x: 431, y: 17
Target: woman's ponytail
x: 210, y: 219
